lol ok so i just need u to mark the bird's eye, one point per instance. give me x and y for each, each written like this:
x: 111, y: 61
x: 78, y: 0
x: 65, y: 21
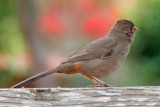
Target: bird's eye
x: 129, y: 34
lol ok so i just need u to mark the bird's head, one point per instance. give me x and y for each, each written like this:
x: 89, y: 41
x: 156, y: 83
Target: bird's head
x: 125, y: 27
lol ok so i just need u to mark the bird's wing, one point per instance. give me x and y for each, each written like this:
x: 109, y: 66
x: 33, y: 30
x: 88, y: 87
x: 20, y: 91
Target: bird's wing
x: 101, y: 48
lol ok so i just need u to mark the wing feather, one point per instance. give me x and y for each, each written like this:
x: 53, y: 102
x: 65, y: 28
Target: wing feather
x: 101, y: 48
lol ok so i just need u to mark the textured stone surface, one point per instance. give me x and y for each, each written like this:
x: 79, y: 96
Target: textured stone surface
x: 81, y: 97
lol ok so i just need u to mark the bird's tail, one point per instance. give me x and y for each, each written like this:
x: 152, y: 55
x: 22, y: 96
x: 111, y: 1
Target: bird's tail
x: 34, y: 78
x: 67, y: 68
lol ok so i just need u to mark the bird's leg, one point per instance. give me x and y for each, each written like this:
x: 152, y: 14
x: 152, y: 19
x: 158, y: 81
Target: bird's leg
x: 95, y: 82
x: 102, y: 82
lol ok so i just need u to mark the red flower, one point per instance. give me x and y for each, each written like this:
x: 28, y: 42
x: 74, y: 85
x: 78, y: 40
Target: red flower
x: 97, y: 25
x: 49, y: 22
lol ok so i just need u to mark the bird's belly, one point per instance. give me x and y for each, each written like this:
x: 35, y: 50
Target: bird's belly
x: 98, y: 68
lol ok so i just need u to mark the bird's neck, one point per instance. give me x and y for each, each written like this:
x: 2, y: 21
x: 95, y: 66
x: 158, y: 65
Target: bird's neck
x: 118, y: 37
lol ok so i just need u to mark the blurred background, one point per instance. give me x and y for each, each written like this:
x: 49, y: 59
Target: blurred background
x: 36, y: 35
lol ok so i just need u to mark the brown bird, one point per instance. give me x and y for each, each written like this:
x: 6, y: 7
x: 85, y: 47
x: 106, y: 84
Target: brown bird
x: 97, y: 59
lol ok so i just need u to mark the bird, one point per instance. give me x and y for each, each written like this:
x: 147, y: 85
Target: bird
x: 97, y: 59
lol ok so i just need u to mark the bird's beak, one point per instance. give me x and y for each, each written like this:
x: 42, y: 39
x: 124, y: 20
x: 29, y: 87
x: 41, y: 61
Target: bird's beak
x: 136, y: 29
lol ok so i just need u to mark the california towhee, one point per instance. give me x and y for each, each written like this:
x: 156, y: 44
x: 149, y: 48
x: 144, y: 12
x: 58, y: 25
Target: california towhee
x: 97, y: 59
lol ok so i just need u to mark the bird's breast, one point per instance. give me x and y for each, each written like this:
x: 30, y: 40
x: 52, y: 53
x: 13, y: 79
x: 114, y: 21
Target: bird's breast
x: 103, y: 67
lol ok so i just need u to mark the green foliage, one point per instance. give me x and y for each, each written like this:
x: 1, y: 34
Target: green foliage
x: 145, y: 52
x: 11, y: 39
x: 5, y: 78
x: 7, y: 8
